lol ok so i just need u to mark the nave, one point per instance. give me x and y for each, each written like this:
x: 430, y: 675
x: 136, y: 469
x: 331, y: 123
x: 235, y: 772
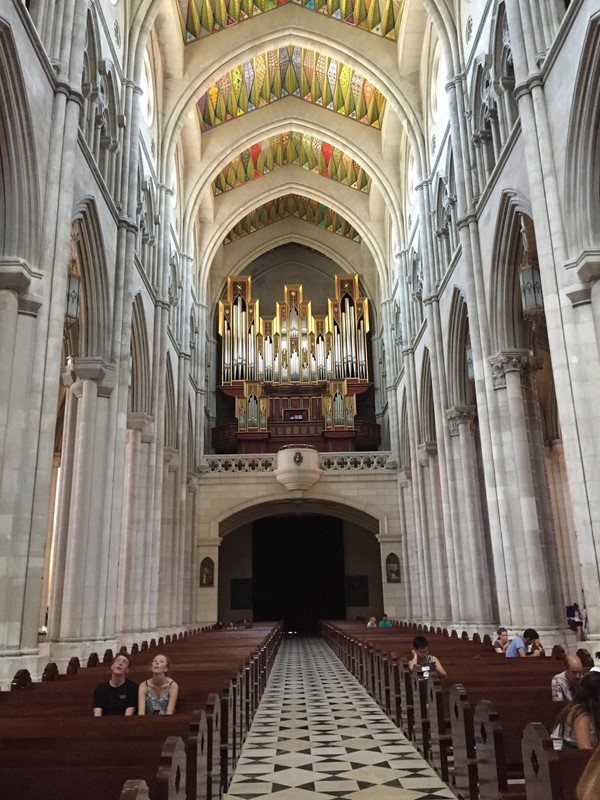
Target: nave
x: 317, y: 734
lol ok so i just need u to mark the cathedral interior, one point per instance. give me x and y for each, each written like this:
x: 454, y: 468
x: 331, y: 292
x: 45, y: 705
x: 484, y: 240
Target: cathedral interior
x: 299, y: 317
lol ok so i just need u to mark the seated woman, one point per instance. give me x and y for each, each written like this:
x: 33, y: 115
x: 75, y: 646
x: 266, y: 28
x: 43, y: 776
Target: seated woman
x: 578, y: 724
x: 502, y: 641
x: 158, y: 695
x: 372, y: 623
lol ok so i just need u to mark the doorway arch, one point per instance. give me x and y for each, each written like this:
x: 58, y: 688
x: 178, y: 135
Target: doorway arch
x: 299, y: 566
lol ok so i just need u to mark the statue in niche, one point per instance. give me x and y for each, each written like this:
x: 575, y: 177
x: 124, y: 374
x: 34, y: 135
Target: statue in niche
x: 207, y: 573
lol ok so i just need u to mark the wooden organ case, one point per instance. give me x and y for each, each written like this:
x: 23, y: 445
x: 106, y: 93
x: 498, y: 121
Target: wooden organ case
x: 294, y: 377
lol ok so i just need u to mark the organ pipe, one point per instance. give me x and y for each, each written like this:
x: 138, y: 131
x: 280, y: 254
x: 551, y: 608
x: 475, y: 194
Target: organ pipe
x: 294, y: 346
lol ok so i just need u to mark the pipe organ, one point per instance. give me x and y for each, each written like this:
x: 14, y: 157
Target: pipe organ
x: 294, y: 366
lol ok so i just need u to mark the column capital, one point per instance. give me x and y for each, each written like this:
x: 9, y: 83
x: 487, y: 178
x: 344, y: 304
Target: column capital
x: 140, y: 421
x: 16, y: 275
x: 460, y: 415
x: 171, y: 457
x: 80, y: 369
x: 586, y: 265
x: 510, y: 361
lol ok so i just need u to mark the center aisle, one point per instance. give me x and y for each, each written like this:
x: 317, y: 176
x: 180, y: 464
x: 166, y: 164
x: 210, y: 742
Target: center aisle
x: 317, y: 734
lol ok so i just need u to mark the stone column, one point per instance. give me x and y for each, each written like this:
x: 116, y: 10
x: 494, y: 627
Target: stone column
x: 167, y: 564
x: 134, y: 559
x: 22, y: 558
x: 191, y: 568
x: 566, y: 535
x: 535, y: 548
x: 477, y: 609
x: 82, y: 585
x: 441, y: 607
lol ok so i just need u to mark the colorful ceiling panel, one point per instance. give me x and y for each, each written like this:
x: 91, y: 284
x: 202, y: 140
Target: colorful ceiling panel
x: 293, y: 71
x: 292, y: 147
x: 292, y: 205
x: 200, y: 18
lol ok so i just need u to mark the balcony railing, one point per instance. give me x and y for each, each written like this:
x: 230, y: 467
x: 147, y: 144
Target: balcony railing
x: 328, y: 462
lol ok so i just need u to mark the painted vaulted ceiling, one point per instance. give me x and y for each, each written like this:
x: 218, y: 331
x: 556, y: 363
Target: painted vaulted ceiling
x: 293, y: 71
x: 201, y: 18
x: 292, y: 205
x: 292, y: 147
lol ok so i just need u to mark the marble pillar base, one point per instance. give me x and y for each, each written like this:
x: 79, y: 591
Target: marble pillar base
x: 21, y: 659
x: 592, y: 645
x: 62, y: 651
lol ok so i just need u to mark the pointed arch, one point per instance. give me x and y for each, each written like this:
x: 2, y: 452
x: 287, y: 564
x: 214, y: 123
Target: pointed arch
x: 95, y: 321
x: 458, y: 331
x: 504, y: 323
x: 170, y: 439
x: 582, y: 205
x: 426, y: 408
x: 140, y: 397
x: 19, y: 211
x: 404, y: 435
x: 191, y: 442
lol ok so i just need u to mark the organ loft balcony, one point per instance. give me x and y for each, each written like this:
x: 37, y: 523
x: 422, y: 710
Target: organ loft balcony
x: 294, y: 377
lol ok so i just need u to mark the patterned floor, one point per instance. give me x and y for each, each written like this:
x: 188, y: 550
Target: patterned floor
x: 317, y: 734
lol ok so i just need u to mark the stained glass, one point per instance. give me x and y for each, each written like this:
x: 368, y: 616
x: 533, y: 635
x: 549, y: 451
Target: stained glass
x: 200, y: 18
x: 293, y: 205
x: 291, y: 71
x: 303, y: 150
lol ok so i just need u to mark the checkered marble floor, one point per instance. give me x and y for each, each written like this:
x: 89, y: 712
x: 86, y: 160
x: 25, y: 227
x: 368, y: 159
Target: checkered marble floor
x: 317, y: 734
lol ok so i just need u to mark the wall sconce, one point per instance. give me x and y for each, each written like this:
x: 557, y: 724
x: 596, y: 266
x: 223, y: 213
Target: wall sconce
x: 73, y: 292
x: 532, y: 298
x: 469, y: 362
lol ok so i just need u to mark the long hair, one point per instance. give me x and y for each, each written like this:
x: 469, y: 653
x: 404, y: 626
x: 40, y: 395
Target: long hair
x: 586, y: 701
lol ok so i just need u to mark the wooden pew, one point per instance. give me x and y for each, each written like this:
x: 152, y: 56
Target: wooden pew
x: 550, y: 774
x: 498, y: 734
x: 212, y: 735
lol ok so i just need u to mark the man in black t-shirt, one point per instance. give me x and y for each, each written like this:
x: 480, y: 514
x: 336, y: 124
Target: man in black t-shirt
x: 118, y: 696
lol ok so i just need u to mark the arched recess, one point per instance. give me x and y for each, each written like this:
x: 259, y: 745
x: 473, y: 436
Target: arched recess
x: 404, y: 434
x: 209, y: 238
x: 170, y: 440
x: 350, y: 510
x: 426, y: 408
x: 191, y: 447
x: 504, y: 324
x: 140, y: 384
x: 520, y: 335
x: 582, y: 195
x: 19, y: 192
x: 95, y: 320
x: 460, y: 389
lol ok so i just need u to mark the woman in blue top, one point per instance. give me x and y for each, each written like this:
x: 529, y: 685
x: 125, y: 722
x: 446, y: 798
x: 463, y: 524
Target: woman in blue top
x: 158, y: 695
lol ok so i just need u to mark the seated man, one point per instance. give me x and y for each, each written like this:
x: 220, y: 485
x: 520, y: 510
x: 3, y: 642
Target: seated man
x: 117, y: 696
x: 421, y: 658
x: 565, y: 683
x: 384, y: 622
x: 502, y: 641
x: 518, y: 648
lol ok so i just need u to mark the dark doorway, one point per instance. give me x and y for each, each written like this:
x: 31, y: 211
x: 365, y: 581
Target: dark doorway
x: 298, y: 570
